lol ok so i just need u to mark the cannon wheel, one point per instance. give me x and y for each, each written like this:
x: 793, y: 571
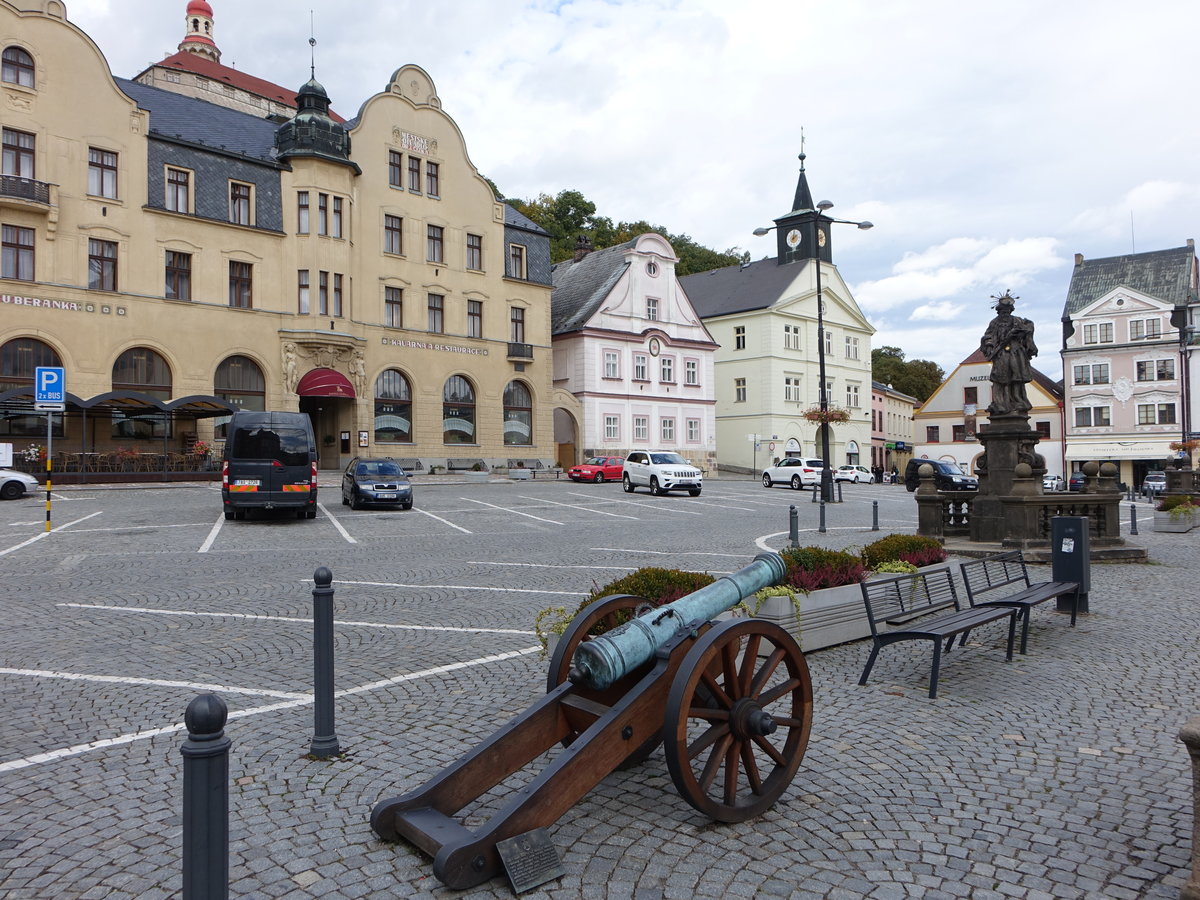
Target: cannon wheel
x: 738, y: 718
x: 610, y: 612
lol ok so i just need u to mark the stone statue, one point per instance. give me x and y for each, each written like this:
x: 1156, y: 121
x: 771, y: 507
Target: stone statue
x: 1008, y: 343
x: 358, y: 369
x: 289, y: 366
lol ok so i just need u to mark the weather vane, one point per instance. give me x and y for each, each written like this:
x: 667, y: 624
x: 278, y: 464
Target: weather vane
x: 312, y: 45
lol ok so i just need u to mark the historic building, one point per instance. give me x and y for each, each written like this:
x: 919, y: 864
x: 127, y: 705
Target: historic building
x: 891, y: 427
x: 180, y: 258
x: 630, y: 347
x: 946, y: 424
x: 764, y: 317
x: 1128, y: 333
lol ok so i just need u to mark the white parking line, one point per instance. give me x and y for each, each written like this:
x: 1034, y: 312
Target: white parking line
x: 475, y: 562
x: 513, y: 511
x: 463, y: 587
x: 212, y: 535
x: 598, y: 512
x: 670, y: 552
x: 41, y: 535
x: 154, y: 682
x: 443, y: 521
x: 336, y: 524
x: 64, y: 752
x: 645, y: 505
x: 297, y: 619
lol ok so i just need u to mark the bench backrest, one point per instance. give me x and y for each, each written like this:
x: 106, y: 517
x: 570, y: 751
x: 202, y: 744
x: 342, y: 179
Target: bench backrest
x: 1000, y: 570
x: 907, y: 597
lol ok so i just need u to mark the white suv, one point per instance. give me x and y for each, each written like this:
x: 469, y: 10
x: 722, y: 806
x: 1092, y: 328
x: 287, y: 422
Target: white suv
x: 661, y: 471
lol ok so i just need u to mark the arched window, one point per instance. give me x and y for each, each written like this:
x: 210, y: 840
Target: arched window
x: 142, y: 369
x: 458, y: 411
x: 18, y: 360
x: 17, y: 67
x: 239, y: 382
x: 393, y: 408
x: 518, y: 414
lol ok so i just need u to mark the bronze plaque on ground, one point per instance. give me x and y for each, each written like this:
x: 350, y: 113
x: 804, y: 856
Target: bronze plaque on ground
x: 530, y: 859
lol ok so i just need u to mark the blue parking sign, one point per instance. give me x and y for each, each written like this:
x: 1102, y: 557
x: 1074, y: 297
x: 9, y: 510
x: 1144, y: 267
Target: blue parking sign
x: 49, y: 385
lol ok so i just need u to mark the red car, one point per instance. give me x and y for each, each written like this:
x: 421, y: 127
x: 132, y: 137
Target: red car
x: 598, y: 469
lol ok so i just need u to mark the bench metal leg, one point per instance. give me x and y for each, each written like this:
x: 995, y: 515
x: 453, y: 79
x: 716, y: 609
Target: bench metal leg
x: 1012, y: 633
x: 870, y: 663
x: 1024, y: 615
x: 937, y: 665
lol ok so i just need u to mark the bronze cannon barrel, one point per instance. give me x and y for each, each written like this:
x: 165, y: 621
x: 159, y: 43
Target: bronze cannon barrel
x: 609, y: 657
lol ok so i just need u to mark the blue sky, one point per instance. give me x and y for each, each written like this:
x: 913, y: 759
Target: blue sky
x: 988, y: 142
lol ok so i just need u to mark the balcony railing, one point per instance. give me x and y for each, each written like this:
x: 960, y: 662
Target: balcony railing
x: 24, y: 189
x: 520, y: 351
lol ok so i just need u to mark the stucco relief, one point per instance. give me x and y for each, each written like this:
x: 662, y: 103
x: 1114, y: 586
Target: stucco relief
x: 302, y: 356
x: 1123, y: 389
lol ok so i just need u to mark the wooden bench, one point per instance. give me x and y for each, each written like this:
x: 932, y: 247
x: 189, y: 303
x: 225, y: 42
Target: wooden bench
x: 1003, y: 580
x: 898, y: 609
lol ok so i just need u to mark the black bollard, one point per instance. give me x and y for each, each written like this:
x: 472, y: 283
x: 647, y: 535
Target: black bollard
x: 839, y: 490
x: 822, y: 528
x: 874, y: 515
x: 206, y: 800
x: 793, y: 526
x: 324, y: 742
x: 1132, y: 519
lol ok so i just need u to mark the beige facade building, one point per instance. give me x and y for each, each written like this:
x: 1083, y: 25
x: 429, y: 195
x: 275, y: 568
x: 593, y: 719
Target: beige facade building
x: 180, y: 258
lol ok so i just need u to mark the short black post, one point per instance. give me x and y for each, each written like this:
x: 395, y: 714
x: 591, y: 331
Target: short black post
x: 793, y: 526
x: 206, y: 800
x: 324, y: 742
x: 839, y: 489
x: 1132, y: 519
x: 822, y: 528
x: 874, y: 515
x: 816, y: 493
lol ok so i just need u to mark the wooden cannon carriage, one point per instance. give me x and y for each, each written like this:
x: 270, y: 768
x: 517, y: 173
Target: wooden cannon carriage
x: 730, y: 701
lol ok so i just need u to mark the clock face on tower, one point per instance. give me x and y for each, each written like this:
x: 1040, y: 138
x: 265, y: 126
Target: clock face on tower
x: 793, y: 238
x: 821, y: 236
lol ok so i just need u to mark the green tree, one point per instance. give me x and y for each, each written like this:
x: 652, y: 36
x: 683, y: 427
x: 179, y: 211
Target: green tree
x: 917, y: 377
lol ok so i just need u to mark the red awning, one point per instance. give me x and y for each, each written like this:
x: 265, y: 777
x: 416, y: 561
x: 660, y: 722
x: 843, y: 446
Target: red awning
x: 325, y: 383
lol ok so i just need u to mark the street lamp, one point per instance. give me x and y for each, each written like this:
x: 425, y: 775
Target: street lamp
x: 822, y: 392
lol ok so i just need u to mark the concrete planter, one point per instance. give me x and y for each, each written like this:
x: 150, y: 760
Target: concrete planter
x: 477, y: 476
x: 1174, y: 522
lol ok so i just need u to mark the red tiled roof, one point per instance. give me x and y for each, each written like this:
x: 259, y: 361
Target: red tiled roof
x: 190, y: 62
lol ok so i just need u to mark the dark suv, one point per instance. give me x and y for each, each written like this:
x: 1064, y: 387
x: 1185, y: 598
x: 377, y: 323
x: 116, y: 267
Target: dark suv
x: 947, y: 476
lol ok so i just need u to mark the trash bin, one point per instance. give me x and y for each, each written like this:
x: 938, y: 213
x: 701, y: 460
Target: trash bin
x: 1069, y: 557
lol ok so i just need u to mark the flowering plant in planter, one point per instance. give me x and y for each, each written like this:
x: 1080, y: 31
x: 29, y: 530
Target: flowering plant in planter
x: 200, y: 448
x: 909, y: 548
x: 813, y: 568
x: 1178, y: 505
x: 1185, y: 446
x: 826, y: 416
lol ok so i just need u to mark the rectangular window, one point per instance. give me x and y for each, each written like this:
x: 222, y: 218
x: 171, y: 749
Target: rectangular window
x: 434, y: 245
x: 691, y: 372
x: 337, y: 295
x: 302, y: 288
x: 18, y: 153
x: 652, y: 309
x: 475, y: 318
x: 971, y: 396
x: 179, y: 276
x: 933, y: 434
x: 666, y: 370
x: 641, y: 428
x: 1156, y: 370
x: 239, y: 203
x: 612, y: 428
x: 395, y: 169
x: 739, y: 390
x: 1043, y: 430
x: 337, y: 217
x: 851, y: 347
x: 1145, y: 329
x: 102, y: 265
x: 322, y: 214
x: 516, y: 261
x: 1092, y: 417
x: 828, y: 342
x: 414, y: 174
x: 611, y: 364
x: 393, y: 307
x: 516, y: 325
x: 791, y: 337
x: 1098, y: 334
x: 1156, y: 413
x: 668, y: 430
x: 852, y: 396
x: 475, y: 252
x: 393, y: 235
x: 739, y: 337
x: 302, y: 212
x: 323, y: 293
x: 102, y: 173
x: 960, y: 433
x: 693, y: 431
x: 178, y: 197
x: 432, y: 180
x: 18, y: 253
x: 640, y: 369
x: 436, y: 312
x: 1091, y: 374
x: 791, y: 390
x: 241, y: 284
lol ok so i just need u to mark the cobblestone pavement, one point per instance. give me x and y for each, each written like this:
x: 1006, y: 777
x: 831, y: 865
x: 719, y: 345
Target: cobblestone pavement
x: 1058, y: 775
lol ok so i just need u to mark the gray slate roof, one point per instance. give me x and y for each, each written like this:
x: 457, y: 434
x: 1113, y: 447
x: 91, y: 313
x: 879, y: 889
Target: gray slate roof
x: 580, y: 287
x: 1162, y: 274
x: 516, y: 219
x: 734, y: 289
x: 199, y: 122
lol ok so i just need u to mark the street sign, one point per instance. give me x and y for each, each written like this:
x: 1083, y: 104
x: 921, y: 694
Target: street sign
x: 50, y: 385
x: 49, y: 407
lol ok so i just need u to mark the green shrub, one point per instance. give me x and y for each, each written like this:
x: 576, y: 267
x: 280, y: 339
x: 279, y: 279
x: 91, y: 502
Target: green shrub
x: 894, y: 567
x: 813, y: 568
x: 910, y: 548
x: 1172, y: 502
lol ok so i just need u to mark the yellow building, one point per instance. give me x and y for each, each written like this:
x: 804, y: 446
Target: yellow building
x: 181, y: 258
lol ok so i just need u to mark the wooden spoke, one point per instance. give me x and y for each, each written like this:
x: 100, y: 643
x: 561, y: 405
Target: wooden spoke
x: 738, y: 719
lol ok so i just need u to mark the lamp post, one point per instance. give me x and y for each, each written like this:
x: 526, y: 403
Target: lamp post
x: 822, y: 392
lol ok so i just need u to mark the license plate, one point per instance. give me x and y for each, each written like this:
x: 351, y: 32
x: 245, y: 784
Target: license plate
x: 251, y: 481
x: 386, y: 496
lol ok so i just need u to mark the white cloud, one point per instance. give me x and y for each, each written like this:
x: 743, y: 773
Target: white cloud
x: 937, y: 312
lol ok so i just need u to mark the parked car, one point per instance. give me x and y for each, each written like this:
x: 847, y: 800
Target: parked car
x: 14, y: 484
x: 598, y: 469
x: 1154, y: 483
x: 375, y: 481
x: 661, y: 471
x: 947, y: 476
x: 855, y: 474
x: 794, y: 471
x: 1077, y: 481
x: 270, y: 463
x: 1053, y: 483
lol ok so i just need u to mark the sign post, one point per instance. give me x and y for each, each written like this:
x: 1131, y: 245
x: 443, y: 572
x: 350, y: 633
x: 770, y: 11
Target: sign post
x: 49, y: 396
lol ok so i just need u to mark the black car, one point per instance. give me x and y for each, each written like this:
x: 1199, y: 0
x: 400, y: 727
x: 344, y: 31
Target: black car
x: 947, y: 476
x: 379, y: 482
x: 1078, y: 480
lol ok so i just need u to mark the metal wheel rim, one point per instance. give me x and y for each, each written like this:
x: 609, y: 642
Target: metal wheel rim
x: 720, y: 771
x: 796, y: 483
x: 766, y: 481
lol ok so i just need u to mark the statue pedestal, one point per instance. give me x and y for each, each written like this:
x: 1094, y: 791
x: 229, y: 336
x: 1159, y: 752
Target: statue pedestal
x: 1010, y: 467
